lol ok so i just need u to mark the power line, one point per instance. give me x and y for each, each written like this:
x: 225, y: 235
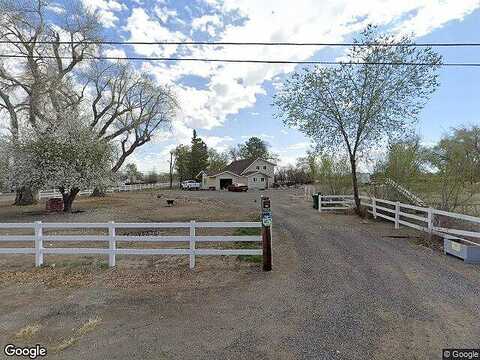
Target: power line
x: 306, y: 62
x: 242, y: 43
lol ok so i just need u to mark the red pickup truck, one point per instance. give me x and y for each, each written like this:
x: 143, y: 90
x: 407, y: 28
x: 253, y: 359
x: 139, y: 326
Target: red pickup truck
x: 237, y: 188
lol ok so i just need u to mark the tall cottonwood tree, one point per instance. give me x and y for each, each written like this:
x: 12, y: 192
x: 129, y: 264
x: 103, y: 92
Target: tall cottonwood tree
x: 355, y: 107
x: 126, y: 107
x: 32, y: 86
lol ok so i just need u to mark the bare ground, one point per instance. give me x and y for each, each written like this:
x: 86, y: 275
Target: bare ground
x: 342, y: 288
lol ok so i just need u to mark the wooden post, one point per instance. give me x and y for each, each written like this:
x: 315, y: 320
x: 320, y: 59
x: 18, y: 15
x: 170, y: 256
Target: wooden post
x: 397, y: 215
x: 319, y: 202
x: 112, y: 245
x: 38, y: 244
x: 374, y: 207
x: 171, y: 170
x: 430, y: 222
x: 266, y: 233
x: 192, y: 244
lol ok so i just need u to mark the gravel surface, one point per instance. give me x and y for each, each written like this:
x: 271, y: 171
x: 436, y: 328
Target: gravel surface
x: 341, y: 289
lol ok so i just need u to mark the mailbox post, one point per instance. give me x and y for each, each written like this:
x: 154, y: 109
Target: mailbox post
x: 266, y: 233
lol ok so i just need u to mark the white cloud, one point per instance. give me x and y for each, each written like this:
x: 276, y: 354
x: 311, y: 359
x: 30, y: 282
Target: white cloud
x: 434, y: 14
x: 149, y: 161
x: 261, y: 136
x: 207, y: 23
x: 164, y: 14
x: 230, y: 88
x: 142, y: 26
x: 115, y: 53
x: 219, y: 143
x: 299, y: 146
x: 106, y: 10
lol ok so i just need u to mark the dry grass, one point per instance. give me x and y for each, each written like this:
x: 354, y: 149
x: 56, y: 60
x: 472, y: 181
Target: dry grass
x: 28, y: 332
x: 89, y: 326
x: 65, y: 344
x: 86, y: 328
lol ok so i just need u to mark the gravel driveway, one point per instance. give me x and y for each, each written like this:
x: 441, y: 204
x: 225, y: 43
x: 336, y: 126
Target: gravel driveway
x: 342, y: 288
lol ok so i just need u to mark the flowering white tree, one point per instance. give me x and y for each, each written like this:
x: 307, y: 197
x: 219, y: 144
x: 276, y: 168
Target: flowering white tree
x: 69, y: 159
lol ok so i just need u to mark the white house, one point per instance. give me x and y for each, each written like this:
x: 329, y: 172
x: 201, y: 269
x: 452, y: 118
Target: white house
x: 256, y: 173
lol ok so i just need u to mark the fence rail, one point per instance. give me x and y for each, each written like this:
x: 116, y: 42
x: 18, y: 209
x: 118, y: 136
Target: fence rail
x: 38, y: 237
x: 53, y: 193
x: 397, y: 212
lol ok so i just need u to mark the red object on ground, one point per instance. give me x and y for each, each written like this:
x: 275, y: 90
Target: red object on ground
x: 54, y: 205
x: 237, y: 188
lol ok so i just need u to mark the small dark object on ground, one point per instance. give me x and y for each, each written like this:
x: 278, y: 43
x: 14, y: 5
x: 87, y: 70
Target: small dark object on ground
x: 54, y: 205
x: 170, y: 202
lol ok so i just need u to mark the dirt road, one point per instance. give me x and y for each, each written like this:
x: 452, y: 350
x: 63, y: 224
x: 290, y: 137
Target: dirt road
x: 341, y: 289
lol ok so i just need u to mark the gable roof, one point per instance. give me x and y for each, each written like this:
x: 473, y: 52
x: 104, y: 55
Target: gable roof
x: 268, y: 162
x: 250, y: 173
x: 238, y: 166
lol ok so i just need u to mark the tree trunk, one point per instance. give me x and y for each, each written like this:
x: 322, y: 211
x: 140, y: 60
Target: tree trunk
x: 68, y: 198
x: 25, y: 196
x: 353, y: 163
x: 99, y: 191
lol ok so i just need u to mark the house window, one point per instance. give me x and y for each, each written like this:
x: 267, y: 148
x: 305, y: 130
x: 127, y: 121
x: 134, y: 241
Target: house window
x: 258, y: 167
x: 254, y: 179
x: 262, y: 179
x: 264, y: 167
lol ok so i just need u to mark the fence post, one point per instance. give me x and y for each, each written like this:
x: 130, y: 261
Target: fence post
x: 266, y: 233
x: 112, y: 245
x: 430, y: 220
x: 397, y: 215
x: 374, y: 207
x: 192, y: 244
x: 319, y: 202
x: 38, y: 244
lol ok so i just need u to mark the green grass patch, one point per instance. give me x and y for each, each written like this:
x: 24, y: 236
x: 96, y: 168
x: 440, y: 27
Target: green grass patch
x: 248, y: 245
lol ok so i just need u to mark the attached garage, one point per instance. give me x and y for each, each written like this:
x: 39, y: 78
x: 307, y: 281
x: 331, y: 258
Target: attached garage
x: 224, y: 183
x: 255, y: 173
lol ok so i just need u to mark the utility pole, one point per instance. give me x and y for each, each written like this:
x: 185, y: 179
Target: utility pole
x: 171, y: 170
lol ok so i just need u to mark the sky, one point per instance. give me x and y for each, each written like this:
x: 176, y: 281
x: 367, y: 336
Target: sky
x: 228, y: 103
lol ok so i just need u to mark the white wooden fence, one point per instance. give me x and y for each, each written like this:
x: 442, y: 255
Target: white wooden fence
x: 54, y: 193
x: 39, y: 238
x: 404, y: 214
x: 335, y: 202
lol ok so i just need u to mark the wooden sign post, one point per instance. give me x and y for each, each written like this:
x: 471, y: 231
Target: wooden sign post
x: 266, y: 233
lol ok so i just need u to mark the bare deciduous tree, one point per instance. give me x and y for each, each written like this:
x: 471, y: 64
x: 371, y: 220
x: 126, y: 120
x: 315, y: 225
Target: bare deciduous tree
x: 127, y: 107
